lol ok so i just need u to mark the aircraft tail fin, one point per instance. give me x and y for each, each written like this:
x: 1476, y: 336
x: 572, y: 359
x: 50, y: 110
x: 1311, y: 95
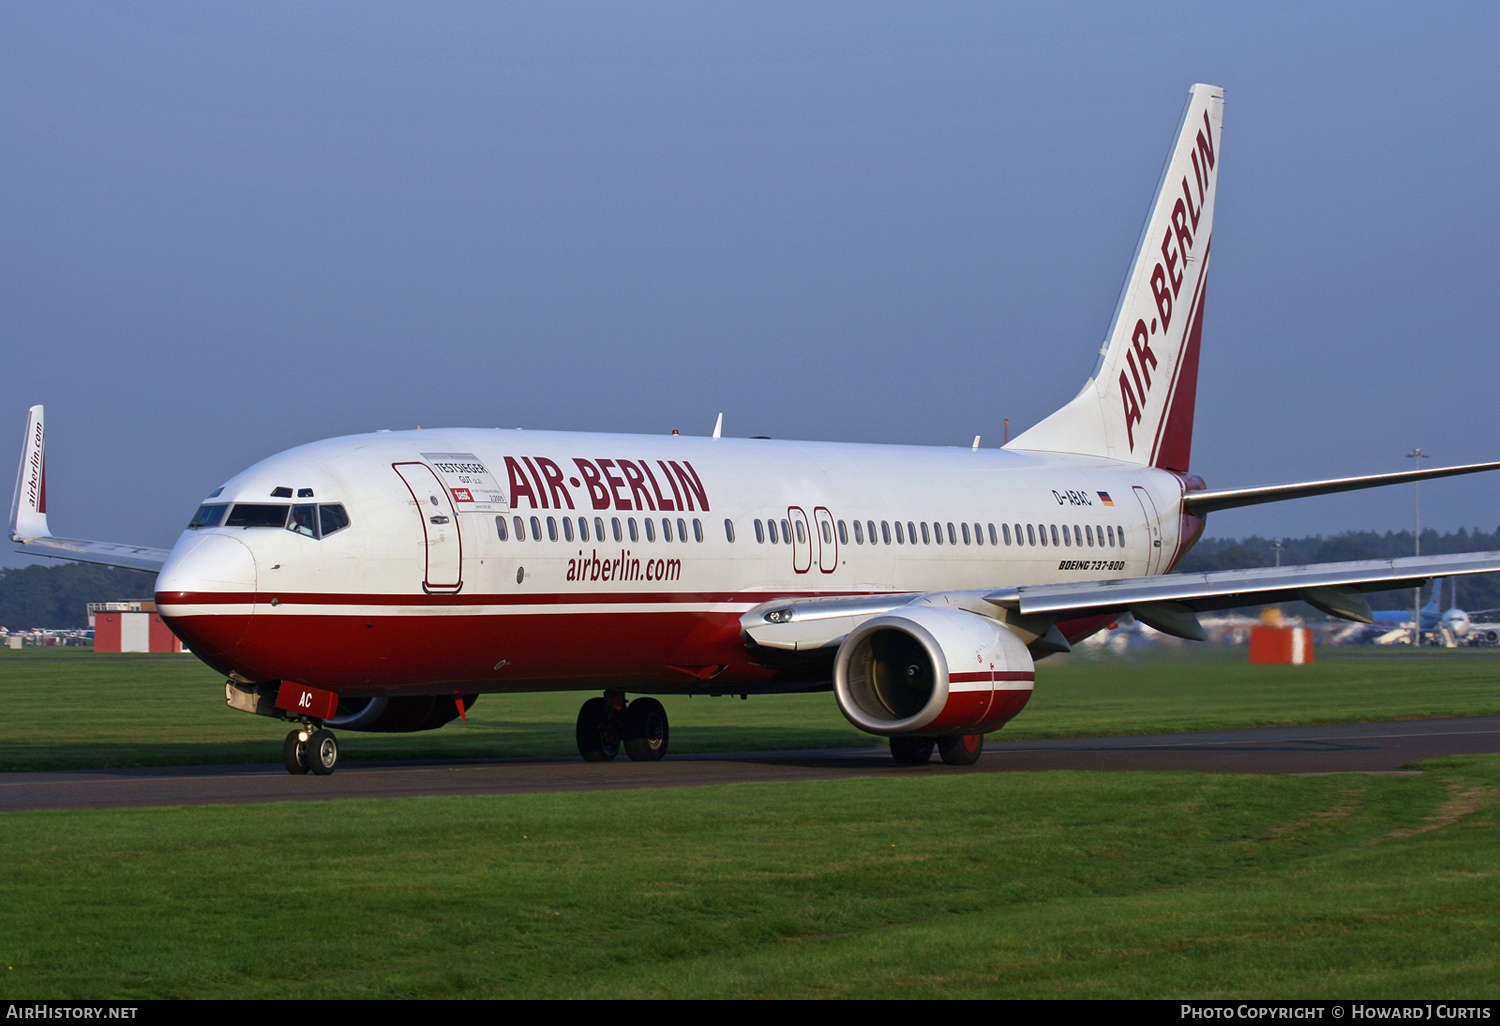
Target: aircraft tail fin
x: 28, y: 509
x: 1137, y: 406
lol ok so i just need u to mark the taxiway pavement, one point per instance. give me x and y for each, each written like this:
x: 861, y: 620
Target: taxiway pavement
x: 1384, y: 747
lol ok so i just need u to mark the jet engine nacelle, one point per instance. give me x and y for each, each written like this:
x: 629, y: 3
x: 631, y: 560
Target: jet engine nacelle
x: 933, y: 671
x: 399, y: 715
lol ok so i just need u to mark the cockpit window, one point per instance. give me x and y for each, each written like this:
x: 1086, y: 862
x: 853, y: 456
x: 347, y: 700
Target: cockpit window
x: 247, y: 514
x: 208, y: 516
x: 302, y: 521
x: 333, y: 519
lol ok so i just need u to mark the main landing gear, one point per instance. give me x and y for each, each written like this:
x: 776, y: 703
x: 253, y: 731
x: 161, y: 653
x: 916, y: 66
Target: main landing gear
x: 955, y: 751
x: 604, y: 724
x: 310, y: 748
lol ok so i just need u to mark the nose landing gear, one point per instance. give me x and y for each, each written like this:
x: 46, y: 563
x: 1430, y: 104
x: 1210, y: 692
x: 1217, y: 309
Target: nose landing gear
x: 310, y: 748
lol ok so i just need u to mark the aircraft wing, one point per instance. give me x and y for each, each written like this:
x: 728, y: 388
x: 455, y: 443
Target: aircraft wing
x: 28, y: 516
x: 131, y: 557
x: 1336, y: 588
x: 1168, y: 603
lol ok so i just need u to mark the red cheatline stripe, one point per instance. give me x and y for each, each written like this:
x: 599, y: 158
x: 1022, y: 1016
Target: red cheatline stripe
x: 963, y: 678
x: 212, y: 598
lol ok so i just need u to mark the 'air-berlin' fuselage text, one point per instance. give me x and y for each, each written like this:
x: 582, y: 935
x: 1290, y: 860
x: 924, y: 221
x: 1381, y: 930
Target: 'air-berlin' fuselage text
x: 1166, y: 282
x: 608, y: 483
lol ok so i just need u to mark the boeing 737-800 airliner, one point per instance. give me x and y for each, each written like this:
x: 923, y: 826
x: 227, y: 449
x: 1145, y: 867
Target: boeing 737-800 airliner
x: 384, y: 581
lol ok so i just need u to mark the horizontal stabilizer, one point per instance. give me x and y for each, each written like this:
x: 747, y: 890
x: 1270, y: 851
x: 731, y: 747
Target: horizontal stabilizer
x: 1230, y: 498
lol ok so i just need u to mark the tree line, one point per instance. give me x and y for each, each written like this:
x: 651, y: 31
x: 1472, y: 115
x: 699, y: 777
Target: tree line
x: 57, y: 596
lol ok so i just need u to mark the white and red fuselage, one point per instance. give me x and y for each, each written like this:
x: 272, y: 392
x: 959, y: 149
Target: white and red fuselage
x: 400, y: 570
x: 499, y: 560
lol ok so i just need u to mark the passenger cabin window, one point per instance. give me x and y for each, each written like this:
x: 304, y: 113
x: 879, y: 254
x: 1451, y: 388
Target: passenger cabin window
x: 729, y: 531
x: 500, y: 528
x: 520, y: 526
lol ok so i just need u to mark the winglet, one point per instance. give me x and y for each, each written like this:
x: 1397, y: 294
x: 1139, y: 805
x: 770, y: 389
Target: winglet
x: 28, y: 516
x: 28, y: 510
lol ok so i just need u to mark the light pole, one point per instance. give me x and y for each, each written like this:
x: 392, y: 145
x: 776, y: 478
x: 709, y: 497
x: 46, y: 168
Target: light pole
x: 1416, y: 623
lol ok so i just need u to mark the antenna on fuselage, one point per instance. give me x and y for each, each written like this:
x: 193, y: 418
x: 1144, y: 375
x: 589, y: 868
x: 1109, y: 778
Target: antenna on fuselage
x: 719, y: 425
x: 975, y: 446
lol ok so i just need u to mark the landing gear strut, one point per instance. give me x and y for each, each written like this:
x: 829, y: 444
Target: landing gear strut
x: 310, y: 748
x: 606, y: 723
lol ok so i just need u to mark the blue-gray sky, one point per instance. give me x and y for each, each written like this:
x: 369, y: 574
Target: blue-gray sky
x: 231, y: 228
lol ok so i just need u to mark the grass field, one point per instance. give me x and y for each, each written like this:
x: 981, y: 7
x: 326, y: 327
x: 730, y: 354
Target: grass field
x: 959, y: 885
x: 70, y: 709
x: 940, y: 885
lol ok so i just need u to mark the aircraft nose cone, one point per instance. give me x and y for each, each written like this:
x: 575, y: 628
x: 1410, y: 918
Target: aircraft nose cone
x: 206, y: 594
x: 206, y: 564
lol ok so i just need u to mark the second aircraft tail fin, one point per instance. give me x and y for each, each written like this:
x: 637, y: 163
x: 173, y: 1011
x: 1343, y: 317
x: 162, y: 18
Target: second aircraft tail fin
x: 1138, y: 404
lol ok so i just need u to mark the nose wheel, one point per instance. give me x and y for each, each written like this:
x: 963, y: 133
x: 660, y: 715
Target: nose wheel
x: 308, y: 748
